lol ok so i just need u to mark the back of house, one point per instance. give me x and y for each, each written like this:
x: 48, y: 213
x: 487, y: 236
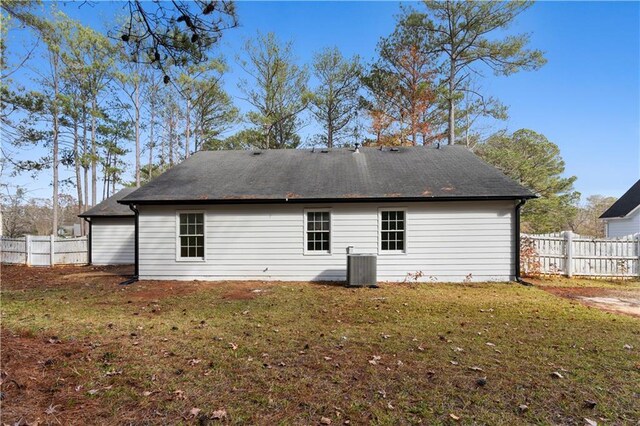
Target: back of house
x: 429, y: 214
x: 622, y: 219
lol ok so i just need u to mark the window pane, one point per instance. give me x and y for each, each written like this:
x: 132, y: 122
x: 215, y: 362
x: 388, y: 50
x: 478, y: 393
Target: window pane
x: 183, y: 251
x: 183, y: 229
x: 392, y: 231
x: 200, y: 251
x: 317, y: 229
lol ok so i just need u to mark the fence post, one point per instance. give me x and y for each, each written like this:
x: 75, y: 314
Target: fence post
x: 568, y: 243
x: 27, y: 250
x: 637, y: 237
x: 52, y: 250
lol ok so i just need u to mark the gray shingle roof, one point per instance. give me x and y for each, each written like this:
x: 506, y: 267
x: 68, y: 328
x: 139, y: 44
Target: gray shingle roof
x: 423, y: 173
x: 625, y: 204
x: 110, y: 206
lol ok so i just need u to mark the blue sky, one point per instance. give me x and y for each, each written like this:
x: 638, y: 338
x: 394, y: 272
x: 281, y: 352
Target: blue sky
x: 586, y: 99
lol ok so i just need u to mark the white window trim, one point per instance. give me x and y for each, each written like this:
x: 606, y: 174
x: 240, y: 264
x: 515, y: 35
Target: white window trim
x: 406, y: 232
x: 177, y: 237
x: 304, y: 231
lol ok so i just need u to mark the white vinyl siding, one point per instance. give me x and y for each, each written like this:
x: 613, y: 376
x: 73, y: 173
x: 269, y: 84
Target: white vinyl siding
x: 623, y: 227
x: 112, y: 240
x: 446, y: 241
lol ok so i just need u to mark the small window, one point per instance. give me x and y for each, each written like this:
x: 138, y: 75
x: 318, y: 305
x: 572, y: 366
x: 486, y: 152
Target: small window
x: 318, y: 232
x: 392, y: 231
x: 191, y: 236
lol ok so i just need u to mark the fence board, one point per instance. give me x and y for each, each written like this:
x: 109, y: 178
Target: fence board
x: 67, y: 251
x: 547, y: 254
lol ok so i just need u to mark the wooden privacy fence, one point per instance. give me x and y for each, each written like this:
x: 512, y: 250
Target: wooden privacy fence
x: 566, y: 253
x: 43, y: 250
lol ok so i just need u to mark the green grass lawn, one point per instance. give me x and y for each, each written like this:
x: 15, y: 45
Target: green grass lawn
x: 89, y: 351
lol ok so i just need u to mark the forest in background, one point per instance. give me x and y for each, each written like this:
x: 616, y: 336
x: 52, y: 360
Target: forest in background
x: 151, y: 85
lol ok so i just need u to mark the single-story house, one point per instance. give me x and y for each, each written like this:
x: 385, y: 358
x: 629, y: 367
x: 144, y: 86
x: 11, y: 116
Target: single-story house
x: 428, y: 213
x: 111, y: 231
x: 623, y: 217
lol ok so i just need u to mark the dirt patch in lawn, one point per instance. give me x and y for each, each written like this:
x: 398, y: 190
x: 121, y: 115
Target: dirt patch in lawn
x: 611, y: 300
x: 20, y: 277
x: 233, y: 290
x: 39, y: 386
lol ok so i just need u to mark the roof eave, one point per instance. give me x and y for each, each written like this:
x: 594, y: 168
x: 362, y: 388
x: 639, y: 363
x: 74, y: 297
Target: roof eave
x: 329, y: 200
x: 83, y: 215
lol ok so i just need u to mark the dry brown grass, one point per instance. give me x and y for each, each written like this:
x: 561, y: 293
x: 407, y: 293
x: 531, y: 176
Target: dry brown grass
x: 293, y: 353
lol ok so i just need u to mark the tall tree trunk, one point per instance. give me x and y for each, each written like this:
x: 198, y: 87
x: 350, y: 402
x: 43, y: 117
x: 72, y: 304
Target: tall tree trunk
x: 85, y: 165
x: 76, y: 163
x: 171, y: 140
x: 55, y: 58
x: 151, y: 140
x: 137, y: 106
x: 452, y: 106
x: 94, y: 156
x: 187, y: 130
x: 114, y: 177
x: 330, y: 132
x: 105, y: 177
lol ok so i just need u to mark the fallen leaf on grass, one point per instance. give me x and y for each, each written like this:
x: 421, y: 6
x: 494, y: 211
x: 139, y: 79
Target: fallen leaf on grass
x: 233, y: 346
x: 194, y: 361
x: 490, y: 344
x: 374, y: 360
x: 523, y: 408
x: 219, y: 414
x: 589, y: 422
x: 325, y: 421
x: 194, y: 412
x: 51, y: 409
x: 179, y: 394
x: 589, y: 403
x: 474, y: 368
x: 627, y: 346
x: 557, y: 375
x: 454, y: 417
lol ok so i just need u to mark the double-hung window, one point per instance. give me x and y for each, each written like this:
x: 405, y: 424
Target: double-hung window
x: 317, y: 231
x: 392, y: 231
x: 190, y: 236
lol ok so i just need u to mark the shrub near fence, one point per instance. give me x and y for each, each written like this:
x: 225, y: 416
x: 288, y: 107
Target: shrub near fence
x: 566, y: 253
x: 44, y: 250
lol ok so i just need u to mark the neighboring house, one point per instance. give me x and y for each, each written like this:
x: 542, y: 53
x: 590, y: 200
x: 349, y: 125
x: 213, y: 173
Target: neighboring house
x: 111, y: 231
x: 427, y: 213
x: 623, y: 217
